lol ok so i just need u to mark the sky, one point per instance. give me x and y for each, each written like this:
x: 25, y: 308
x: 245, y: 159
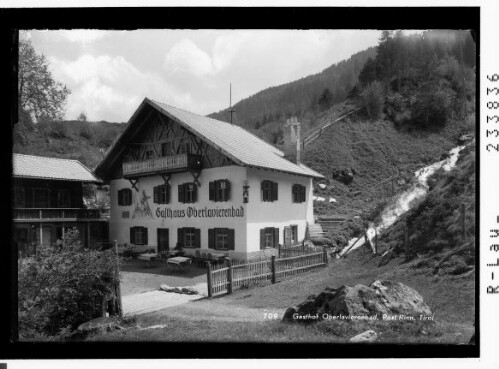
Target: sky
x: 109, y: 73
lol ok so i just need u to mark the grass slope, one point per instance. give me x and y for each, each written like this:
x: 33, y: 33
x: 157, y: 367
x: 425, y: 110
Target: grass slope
x: 382, y: 159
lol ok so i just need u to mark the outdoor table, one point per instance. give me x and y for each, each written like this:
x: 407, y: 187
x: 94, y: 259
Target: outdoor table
x: 178, y: 261
x: 147, y: 257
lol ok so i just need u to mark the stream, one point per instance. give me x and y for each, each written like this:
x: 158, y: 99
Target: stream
x: 403, y: 202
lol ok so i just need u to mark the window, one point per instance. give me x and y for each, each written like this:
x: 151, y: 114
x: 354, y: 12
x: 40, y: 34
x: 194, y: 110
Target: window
x: 41, y: 198
x: 166, y: 149
x: 269, y: 191
x: 298, y: 193
x: 269, y: 237
x: 149, y: 154
x: 19, y: 197
x: 219, y: 190
x: 63, y: 198
x: 161, y: 194
x: 221, y: 239
x: 189, y: 237
x: 185, y: 148
x: 138, y: 235
x: 187, y: 193
x: 125, y: 197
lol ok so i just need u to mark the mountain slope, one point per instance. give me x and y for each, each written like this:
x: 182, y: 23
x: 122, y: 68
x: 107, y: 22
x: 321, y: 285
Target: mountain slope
x: 299, y: 97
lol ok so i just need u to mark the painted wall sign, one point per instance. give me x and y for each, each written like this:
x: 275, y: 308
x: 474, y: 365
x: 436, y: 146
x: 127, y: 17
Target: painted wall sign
x: 192, y: 212
x: 142, y: 209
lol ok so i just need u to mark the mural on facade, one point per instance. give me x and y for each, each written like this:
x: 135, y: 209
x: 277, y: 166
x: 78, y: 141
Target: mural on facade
x: 142, y: 209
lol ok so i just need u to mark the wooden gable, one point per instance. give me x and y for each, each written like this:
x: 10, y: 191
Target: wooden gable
x: 157, y: 130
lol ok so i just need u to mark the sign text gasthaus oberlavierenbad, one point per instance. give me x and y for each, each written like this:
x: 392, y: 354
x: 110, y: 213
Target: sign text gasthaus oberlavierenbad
x: 206, y: 212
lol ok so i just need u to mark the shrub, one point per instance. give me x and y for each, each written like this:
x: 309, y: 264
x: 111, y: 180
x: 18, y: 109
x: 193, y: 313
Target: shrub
x: 86, y: 130
x: 62, y: 286
x: 372, y: 100
x: 57, y: 129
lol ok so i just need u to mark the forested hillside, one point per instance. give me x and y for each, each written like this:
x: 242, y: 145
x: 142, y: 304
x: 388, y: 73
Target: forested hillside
x: 302, y: 98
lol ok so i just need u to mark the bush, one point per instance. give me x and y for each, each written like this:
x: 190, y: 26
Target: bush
x: 86, y: 130
x: 372, y: 100
x: 62, y: 286
x: 57, y: 129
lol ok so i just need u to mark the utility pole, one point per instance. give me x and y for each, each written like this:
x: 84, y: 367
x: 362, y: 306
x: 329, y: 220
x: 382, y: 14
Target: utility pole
x: 231, y: 111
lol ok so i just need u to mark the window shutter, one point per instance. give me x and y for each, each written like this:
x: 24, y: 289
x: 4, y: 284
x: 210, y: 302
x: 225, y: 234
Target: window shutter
x: 211, y: 238
x: 181, y: 193
x: 120, y: 197
x: 227, y: 190
x: 212, y: 191
x: 180, y: 237
x: 197, y: 238
x: 303, y: 194
x: 156, y: 195
x: 132, y: 235
x: 262, y: 238
x: 145, y: 238
x: 274, y: 191
x: 167, y: 200
x: 294, y: 196
x: 129, y: 197
x: 276, y: 237
x: 195, y: 193
x: 262, y: 191
x: 230, y: 239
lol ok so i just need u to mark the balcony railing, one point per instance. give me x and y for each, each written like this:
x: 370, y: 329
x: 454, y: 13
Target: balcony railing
x: 56, y: 213
x: 165, y: 164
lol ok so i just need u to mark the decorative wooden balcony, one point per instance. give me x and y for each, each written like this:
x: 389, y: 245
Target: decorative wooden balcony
x: 166, y: 164
x: 57, y: 214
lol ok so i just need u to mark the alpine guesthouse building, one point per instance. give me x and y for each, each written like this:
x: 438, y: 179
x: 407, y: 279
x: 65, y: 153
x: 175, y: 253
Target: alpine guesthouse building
x: 178, y: 179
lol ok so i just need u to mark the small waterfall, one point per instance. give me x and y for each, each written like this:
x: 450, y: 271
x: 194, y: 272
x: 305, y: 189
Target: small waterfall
x: 403, y: 201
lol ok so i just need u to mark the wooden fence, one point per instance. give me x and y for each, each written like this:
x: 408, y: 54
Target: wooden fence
x: 298, y: 250
x: 226, y: 278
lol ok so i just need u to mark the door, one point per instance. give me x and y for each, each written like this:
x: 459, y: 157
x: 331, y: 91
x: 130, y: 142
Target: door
x: 163, y: 240
x: 287, y: 236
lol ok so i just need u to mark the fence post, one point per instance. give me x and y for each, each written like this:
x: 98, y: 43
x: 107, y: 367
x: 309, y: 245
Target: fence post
x: 273, y: 268
x: 119, y: 305
x: 463, y: 221
x: 208, y: 275
x: 324, y: 251
x: 229, y: 275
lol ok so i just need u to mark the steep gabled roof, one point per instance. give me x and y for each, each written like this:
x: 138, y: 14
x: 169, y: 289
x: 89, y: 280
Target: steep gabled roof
x: 238, y: 144
x: 41, y: 167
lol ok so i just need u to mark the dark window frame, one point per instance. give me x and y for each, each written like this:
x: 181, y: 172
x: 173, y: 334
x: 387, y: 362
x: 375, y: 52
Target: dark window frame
x: 139, y: 235
x: 66, y: 204
x: 269, y: 190
x: 269, y: 238
x: 19, y: 194
x: 36, y: 203
x: 161, y: 194
x: 186, y: 195
x: 220, y: 190
x: 125, y: 197
x: 298, y: 193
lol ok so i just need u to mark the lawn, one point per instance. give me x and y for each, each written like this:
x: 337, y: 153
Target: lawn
x: 244, y: 315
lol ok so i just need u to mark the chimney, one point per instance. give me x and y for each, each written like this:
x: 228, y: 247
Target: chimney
x: 295, y: 135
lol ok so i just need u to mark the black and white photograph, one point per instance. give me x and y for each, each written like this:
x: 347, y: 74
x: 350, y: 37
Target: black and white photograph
x: 180, y: 186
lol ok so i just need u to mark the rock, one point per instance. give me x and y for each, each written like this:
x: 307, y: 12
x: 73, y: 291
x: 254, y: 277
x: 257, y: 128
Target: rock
x: 367, y: 336
x: 444, y: 156
x: 322, y: 186
x: 465, y: 138
x: 380, y: 298
x: 99, y: 325
x: 164, y: 287
x: 332, y: 199
x: 320, y: 199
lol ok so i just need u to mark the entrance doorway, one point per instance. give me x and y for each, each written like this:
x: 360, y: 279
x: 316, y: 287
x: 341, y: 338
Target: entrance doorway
x: 163, y: 240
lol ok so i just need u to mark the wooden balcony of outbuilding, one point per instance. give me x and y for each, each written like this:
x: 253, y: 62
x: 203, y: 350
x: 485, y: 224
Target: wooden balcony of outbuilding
x: 162, y: 165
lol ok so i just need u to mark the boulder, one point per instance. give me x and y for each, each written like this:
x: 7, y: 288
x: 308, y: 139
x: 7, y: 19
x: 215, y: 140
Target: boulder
x: 380, y: 298
x: 367, y: 336
x: 322, y: 186
x: 465, y: 138
x: 99, y: 325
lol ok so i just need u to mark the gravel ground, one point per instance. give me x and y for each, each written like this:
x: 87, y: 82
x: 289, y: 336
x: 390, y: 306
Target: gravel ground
x: 138, y: 277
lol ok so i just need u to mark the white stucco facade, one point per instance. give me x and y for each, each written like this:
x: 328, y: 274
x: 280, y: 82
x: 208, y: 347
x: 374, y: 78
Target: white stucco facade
x: 247, y: 219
